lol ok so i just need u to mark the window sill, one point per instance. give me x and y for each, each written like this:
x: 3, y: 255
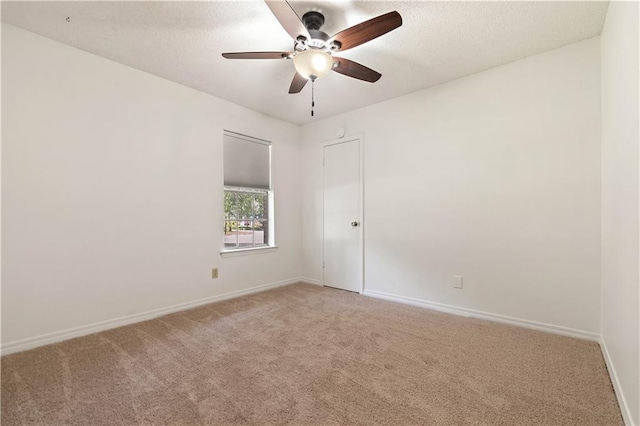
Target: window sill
x: 248, y: 251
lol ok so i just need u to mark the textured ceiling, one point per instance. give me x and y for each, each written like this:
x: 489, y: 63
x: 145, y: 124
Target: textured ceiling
x: 182, y: 42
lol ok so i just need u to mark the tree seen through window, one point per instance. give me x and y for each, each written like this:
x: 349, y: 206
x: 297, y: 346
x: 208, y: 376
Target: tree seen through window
x: 245, y: 218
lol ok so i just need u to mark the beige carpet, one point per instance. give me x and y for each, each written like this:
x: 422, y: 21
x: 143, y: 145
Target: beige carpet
x: 310, y: 355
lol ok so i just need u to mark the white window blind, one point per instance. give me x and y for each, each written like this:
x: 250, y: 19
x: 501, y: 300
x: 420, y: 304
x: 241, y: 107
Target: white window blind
x: 246, y: 161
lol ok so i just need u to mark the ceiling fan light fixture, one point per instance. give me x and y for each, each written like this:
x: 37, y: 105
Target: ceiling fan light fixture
x: 313, y: 64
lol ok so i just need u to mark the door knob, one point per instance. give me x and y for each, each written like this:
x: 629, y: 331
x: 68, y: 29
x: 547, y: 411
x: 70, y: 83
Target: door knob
x: 354, y: 224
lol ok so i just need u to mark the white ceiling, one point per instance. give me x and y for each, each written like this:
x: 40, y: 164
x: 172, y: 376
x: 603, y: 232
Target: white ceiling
x: 183, y: 42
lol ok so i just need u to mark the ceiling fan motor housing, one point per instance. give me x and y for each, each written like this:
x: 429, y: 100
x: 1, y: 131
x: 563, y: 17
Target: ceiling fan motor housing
x: 313, y: 21
x: 318, y: 39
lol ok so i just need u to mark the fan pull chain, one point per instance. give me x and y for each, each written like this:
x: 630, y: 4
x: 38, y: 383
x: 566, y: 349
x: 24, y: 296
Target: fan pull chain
x: 313, y: 101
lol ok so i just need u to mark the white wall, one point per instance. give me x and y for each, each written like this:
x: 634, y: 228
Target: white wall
x: 112, y: 191
x: 495, y: 177
x: 620, y: 212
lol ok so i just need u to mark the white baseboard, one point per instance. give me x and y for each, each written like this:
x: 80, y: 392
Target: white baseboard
x: 622, y: 402
x: 59, y: 336
x: 556, y: 329
x: 310, y: 281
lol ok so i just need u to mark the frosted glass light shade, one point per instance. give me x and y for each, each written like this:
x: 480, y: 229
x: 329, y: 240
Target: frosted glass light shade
x: 313, y: 64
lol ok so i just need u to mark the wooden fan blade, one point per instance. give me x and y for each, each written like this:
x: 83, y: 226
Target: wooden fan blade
x: 355, y: 70
x: 367, y: 30
x: 288, y: 18
x: 258, y: 55
x: 297, y: 84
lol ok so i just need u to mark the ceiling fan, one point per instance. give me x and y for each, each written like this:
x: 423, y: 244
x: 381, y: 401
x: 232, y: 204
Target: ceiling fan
x: 313, y: 49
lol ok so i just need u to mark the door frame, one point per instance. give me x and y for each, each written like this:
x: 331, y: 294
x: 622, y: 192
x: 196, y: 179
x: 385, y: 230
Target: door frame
x: 348, y: 138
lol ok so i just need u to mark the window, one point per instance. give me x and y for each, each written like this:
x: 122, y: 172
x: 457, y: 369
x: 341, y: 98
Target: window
x: 248, y: 199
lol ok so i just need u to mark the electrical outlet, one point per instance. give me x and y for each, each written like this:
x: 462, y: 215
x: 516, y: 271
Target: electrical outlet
x: 457, y: 281
x: 214, y: 273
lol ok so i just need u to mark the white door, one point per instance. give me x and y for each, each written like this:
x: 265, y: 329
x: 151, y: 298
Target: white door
x: 342, y: 251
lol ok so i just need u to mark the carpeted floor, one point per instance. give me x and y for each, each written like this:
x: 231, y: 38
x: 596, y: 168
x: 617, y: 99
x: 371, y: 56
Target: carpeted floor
x: 307, y: 355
